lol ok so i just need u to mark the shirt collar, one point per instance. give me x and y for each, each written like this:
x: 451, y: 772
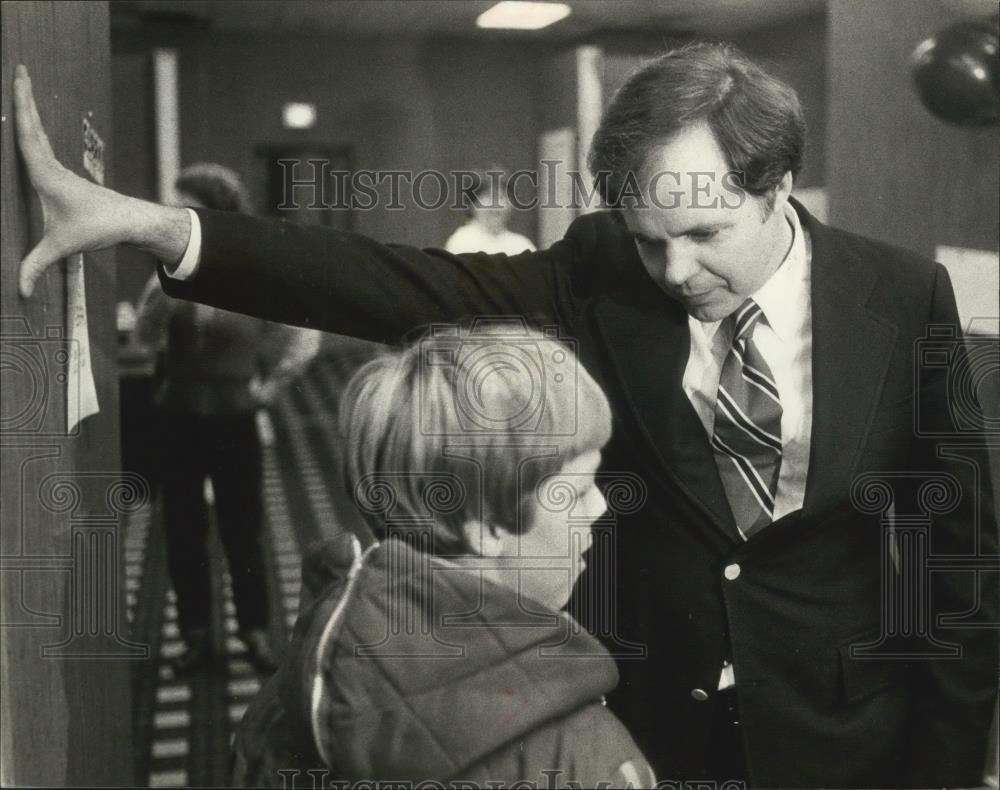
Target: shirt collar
x: 782, y: 297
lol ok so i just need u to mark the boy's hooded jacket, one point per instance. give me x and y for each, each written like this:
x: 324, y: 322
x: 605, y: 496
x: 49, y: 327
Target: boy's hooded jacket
x: 405, y: 668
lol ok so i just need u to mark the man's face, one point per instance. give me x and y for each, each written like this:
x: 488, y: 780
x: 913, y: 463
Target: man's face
x: 701, y: 239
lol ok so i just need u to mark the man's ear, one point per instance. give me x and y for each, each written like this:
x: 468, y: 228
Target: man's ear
x: 486, y: 540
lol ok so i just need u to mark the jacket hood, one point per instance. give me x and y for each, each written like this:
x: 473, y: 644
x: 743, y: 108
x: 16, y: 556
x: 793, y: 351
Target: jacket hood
x: 420, y: 668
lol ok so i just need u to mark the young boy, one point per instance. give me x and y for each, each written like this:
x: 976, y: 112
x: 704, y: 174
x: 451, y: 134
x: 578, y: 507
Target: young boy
x: 440, y: 652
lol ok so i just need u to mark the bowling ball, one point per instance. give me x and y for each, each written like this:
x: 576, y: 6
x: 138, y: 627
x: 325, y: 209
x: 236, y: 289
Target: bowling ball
x: 957, y: 73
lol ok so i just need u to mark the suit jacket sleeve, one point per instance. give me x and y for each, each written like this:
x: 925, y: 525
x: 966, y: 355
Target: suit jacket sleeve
x: 954, y: 697
x: 349, y: 284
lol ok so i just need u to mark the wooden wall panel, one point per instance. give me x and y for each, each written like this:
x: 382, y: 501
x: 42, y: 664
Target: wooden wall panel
x: 65, y: 659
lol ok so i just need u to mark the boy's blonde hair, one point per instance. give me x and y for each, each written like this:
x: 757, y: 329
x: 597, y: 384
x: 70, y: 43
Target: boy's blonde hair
x: 463, y: 426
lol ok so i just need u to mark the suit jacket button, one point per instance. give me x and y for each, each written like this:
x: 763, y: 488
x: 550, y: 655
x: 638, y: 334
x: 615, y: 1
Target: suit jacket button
x: 732, y: 571
x: 699, y: 694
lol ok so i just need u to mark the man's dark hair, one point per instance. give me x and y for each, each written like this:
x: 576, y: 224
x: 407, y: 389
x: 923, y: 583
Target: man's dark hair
x: 756, y: 119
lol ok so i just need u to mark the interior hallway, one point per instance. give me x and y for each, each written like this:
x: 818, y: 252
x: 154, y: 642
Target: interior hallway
x: 183, y: 726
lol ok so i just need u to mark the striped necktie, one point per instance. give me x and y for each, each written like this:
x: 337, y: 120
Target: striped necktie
x: 747, y: 438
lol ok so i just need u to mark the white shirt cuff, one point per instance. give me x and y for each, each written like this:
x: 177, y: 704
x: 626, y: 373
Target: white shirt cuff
x: 189, y: 263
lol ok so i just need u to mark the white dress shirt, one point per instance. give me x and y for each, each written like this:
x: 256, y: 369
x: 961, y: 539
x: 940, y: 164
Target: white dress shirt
x: 473, y: 237
x: 192, y: 254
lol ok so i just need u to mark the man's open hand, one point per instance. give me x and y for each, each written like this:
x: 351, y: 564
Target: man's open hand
x: 80, y: 216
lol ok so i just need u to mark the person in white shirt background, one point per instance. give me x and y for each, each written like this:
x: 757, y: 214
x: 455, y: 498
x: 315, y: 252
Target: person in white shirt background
x: 489, y: 212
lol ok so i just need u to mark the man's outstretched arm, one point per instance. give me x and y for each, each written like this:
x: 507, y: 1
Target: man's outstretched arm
x: 308, y: 276
x: 349, y: 284
x: 79, y: 215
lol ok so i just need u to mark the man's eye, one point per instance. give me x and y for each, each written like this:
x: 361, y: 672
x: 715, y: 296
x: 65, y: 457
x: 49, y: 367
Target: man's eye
x: 646, y: 242
x: 702, y: 235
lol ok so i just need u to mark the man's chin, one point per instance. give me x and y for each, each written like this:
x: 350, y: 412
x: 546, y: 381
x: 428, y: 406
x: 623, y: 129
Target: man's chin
x: 710, y: 311
x: 712, y: 306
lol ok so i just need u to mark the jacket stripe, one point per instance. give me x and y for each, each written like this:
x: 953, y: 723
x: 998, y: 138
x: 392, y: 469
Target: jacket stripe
x: 327, y: 633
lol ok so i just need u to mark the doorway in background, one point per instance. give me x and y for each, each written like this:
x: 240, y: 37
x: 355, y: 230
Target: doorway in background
x: 310, y: 184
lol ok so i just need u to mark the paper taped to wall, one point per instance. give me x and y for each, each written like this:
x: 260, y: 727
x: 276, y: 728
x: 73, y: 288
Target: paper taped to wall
x: 93, y: 152
x: 975, y: 276
x: 81, y: 395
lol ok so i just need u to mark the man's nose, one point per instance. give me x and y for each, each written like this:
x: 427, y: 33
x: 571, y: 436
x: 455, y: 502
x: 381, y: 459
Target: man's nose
x: 679, y: 264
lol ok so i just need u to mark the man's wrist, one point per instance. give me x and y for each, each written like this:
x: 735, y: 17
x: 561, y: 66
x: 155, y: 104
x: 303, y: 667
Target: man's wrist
x: 163, y: 231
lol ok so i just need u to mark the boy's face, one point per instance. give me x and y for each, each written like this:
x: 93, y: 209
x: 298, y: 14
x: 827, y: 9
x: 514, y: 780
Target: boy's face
x: 549, y: 555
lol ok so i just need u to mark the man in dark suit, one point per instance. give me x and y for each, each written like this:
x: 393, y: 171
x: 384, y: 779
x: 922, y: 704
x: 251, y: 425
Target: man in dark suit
x: 761, y: 369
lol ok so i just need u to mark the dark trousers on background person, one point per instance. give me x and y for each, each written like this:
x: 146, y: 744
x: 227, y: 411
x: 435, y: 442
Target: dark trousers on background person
x: 225, y: 449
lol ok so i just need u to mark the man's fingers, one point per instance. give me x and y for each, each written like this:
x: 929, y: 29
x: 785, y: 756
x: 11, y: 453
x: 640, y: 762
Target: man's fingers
x: 43, y: 138
x: 41, y: 162
x: 35, y: 264
x: 31, y: 137
x: 24, y: 101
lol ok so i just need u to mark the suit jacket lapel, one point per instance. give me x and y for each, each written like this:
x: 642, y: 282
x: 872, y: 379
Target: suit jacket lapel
x: 851, y: 348
x: 649, y: 342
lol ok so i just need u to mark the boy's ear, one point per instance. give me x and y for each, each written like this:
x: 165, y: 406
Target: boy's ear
x: 486, y: 540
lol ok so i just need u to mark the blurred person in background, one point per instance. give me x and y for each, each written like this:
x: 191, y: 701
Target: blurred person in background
x: 215, y: 370
x: 488, y: 212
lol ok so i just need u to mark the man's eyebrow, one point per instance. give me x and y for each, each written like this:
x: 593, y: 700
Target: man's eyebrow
x: 701, y: 228
x: 706, y: 226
